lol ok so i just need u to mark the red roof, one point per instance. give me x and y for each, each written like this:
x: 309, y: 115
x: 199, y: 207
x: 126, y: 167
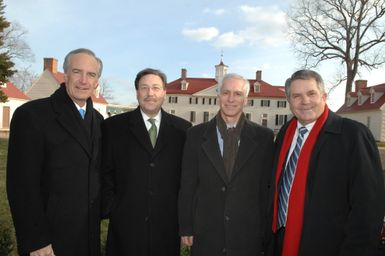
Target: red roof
x: 365, y: 105
x: 60, y: 78
x: 199, y: 84
x: 12, y: 92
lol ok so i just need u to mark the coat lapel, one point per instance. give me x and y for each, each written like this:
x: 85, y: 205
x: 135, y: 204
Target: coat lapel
x: 333, y: 125
x: 211, y: 148
x: 67, y: 119
x: 138, y: 128
x: 165, y: 133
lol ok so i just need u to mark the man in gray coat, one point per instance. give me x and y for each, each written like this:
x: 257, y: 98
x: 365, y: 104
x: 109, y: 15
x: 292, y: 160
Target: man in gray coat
x: 225, y: 172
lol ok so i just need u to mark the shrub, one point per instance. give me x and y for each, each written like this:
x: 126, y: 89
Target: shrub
x: 6, y: 244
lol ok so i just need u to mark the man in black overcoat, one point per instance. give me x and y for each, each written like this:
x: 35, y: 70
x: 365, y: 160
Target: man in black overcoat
x: 54, y: 163
x: 225, y: 176
x: 142, y: 154
x: 334, y: 202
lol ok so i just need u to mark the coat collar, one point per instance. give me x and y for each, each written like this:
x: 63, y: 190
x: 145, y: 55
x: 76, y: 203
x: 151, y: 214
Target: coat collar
x: 65, y: 111
x: 211, y: 148
x: 138, y: 128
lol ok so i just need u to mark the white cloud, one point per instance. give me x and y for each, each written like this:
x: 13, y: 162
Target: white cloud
x: 267, y: 25
x: 201, y: 34
x: 217, y: 12
x: 269, y: 17
x: 228, y: 39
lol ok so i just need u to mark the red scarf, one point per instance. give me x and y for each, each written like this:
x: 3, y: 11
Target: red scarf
x: 293, y: 229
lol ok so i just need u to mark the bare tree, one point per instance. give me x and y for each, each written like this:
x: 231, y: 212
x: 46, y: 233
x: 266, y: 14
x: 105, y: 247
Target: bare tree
x: 23, y: 78
x: 106, y: 90
x: 351, y: 32
x: 14, y: 43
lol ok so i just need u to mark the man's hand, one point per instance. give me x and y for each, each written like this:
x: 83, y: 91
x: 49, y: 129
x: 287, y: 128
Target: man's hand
x: 45, y: 251
x: 187, y: 240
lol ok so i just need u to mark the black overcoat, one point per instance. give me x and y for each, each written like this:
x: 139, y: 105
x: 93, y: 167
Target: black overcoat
x: 53, y: 176
x: 140, y: 184
x: 344, y: 201
x: 225, y: 216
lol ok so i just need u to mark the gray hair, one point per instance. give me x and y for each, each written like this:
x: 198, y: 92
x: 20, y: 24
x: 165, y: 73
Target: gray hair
x: 304, y: 74
x: 85, y: 51
x: 246, y: 83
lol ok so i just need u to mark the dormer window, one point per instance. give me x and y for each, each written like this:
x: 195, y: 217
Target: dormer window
x: 257, y: 87
x: 372, y: 99
x: 184, y: 85
x: 359, y: 94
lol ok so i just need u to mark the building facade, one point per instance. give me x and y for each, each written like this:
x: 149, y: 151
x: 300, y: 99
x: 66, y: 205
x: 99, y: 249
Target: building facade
x: 195, y: 99
x: 367, y: 106
x: 15, y: 99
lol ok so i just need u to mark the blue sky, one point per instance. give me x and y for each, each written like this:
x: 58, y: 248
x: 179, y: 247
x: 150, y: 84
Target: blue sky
x: 169, y: 35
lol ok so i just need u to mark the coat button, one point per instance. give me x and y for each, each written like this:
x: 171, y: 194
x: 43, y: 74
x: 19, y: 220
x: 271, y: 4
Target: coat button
x: 227, y: 218
x: 152, y: 164
x: 223, y: 189
x: 223, y: 250
x: 146, y: 219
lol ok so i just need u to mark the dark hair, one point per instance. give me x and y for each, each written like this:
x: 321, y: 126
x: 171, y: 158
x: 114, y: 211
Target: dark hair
x: 304, y: 74
x: 85, y: 51
x: 150, y: 71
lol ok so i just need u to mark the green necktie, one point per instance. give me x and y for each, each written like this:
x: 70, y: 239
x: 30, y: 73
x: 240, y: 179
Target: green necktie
x: 152, y: 131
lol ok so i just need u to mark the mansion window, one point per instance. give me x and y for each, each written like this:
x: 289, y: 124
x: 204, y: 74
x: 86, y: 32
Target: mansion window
x: 250, y: 103
x: 281, y: 104
x: 193, y: 100
x: 192, y: 116
x: 265, y: 103
x: 172, y: 111
x: 264, y: 120
x: 205, y: 116
x: 280, y: 119
x: 173, y: 99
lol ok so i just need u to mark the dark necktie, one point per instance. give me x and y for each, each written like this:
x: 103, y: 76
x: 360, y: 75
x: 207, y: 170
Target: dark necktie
x: 152, y: 131
x: 287, y: 179
x: 82, y: 112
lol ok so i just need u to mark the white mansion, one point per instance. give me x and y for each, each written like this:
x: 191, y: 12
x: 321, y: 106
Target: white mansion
x: 195, y: 99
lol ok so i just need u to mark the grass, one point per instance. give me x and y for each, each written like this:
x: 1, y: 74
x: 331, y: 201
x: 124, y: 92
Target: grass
x: 5, y: 214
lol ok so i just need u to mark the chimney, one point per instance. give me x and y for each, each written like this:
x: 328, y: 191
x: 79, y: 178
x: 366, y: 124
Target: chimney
x: 360, y: 84
x: 258, y: 76
x: 50, y: 64
x: 183, y: 73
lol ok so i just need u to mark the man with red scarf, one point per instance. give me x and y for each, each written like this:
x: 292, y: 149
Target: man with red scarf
x: 328, y: 186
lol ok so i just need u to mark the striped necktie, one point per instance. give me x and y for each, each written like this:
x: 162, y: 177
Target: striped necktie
x: 287, y: 179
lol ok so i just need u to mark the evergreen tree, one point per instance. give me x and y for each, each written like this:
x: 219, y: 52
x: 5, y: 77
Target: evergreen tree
x: 6, y: 65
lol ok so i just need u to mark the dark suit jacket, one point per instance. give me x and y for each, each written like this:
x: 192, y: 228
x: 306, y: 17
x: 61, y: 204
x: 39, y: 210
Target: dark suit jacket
x: 140, y: 184
x: 344, y: 201
x: 225, y: 216
x: 53, y: 176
